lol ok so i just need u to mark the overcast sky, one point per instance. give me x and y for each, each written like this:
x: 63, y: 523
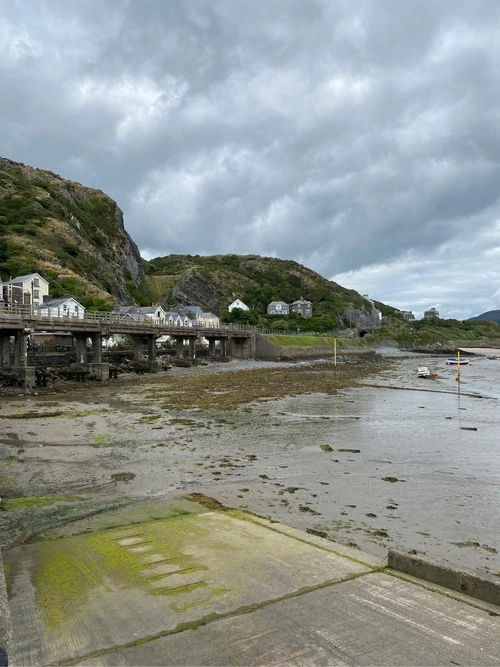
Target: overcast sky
x: 360, y: 138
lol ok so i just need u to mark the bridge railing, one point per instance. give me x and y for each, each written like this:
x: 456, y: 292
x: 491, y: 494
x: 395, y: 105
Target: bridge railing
x: 106, y: 317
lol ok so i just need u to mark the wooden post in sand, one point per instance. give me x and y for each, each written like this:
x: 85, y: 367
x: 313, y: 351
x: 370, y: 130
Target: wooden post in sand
x: 335, y: 352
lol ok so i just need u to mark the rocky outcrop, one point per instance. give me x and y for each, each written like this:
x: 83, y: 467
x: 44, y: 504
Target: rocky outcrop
x: 194, y: 288
x: 360, y: 318
x: 71, y: 234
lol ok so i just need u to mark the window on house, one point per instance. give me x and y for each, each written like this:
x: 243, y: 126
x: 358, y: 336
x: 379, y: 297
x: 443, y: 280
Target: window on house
x: 36, y: 294
x: 36, y: 282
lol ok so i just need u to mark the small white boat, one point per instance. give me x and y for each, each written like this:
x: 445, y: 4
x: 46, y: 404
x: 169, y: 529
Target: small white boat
x: 453, y: 361
x: 423, y: 372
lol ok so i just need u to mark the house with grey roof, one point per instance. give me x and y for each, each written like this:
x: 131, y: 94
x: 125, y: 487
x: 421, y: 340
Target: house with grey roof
x: 154, y: 314
x: 65, y: 307
x: 28, y: 290
x: 302, y: 306
x: 277, y: 308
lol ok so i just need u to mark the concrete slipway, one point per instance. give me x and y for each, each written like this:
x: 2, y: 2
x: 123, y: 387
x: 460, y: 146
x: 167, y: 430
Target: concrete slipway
x: 180, y: 584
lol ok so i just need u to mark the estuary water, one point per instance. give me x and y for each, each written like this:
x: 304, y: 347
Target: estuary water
x: 424, y: 467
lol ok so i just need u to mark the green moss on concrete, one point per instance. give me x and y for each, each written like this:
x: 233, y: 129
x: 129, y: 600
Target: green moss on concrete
x: 35, y: 501
x: 62, y: 579
x: 68, y: 573
x: 178, y: 590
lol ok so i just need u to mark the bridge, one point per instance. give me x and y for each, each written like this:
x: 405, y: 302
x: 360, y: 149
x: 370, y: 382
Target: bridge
x: 234, y: 341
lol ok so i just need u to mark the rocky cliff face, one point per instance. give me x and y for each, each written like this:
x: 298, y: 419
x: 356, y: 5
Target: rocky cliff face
x: 72, y: 235
x: 194, y: 288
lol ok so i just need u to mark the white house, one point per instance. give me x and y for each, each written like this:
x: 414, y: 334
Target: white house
x: 177, y: 320
x: 154, y: 314
x: 26, y: 290
x: 210, y: 321
x: 65, y: 307
x: 238, y: 303
x: 277, y: 308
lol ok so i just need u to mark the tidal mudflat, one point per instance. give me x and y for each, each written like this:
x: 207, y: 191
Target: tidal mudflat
x: 365, y: 454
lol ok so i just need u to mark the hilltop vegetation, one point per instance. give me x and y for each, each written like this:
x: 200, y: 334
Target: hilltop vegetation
x: 436, y: 333
x: 490, y: 315
x: 215, y: 281
x: 72, y: 235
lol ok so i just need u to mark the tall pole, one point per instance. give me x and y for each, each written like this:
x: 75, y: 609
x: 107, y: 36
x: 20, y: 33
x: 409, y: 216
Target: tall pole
x: 335, y: 352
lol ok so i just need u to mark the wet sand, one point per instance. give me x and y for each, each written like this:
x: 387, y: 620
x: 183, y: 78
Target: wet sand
x: 367, y: 455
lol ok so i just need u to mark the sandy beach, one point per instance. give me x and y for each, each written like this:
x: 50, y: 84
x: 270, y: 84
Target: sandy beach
x: 365, y: 454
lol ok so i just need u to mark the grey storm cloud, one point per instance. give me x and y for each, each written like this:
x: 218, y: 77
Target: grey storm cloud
x: 360, y: 138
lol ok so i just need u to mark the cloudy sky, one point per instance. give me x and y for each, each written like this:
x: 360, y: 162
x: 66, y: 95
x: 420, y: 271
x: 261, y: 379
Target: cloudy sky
x: 358, y: 137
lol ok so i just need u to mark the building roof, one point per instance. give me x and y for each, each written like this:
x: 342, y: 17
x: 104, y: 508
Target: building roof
x: 197, y: 310
x: 23, y: 279
x: 276, y: 303
x: 173, y: 313
x: 148, y: 310
x: 56, y: 303
x: 301, y: 302
x: 124, y: 310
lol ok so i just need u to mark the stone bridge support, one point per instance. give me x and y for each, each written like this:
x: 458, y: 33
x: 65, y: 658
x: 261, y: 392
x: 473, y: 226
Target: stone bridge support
x: 243, y: 347
x: 21, y: 349
x: 81, y: 348
x: 96, y: 339
x: 4, y: 349
x: 95, y: 369
x: 223, y: 344
x: 180, y: 348
x: 146, y: 345
x: 20, y: 373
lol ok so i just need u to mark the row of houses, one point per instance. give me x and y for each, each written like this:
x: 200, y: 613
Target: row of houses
x: 301, y: 306
x: 428, y: 314
x: 182, y: 316
x: 32, y: 290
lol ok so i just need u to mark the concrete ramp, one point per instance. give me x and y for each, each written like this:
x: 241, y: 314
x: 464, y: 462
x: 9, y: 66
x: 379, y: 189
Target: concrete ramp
x: 190, y: 586
x: 86, y: 594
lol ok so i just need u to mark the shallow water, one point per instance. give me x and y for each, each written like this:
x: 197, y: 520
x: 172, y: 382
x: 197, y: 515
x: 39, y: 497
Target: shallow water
x: 443, y: 448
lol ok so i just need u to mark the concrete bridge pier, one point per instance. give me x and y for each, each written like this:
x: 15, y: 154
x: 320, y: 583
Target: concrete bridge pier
x: 96, y: 369
x: 154, y: 365
x: 179, y: 347
x: 192, y: 348
x: 211, y: 348
x: 243, y: 348
x: 81, y: 348
x: 146, y: 345
x: 4, y: 349
x: 21, y: 349
x: 138, y: 347
x: 96, y: 339
x: 20, y: 372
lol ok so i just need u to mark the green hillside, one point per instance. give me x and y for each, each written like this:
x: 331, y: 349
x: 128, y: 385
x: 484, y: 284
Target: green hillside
x: 70, y: 234
x: 215, y: 281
